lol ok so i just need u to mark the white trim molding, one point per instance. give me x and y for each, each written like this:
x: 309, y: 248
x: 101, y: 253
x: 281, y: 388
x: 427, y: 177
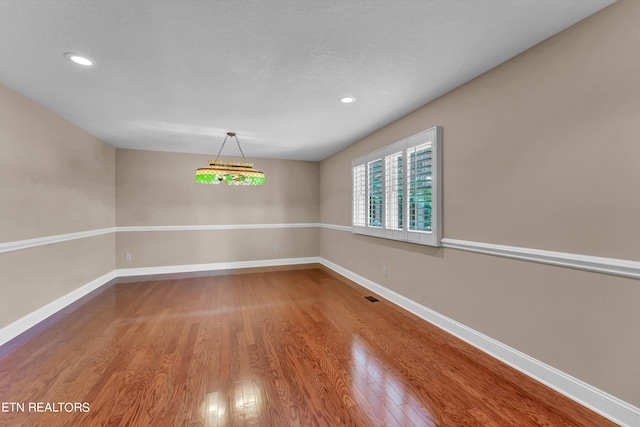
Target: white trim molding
x: 335, y: 227
x: 618, y: 267
x: 58, y: 238
x: 593, y: 398
x: 615, y: 266
x: 48, y: 240
x: 216, y: 266
x: 136, y: 228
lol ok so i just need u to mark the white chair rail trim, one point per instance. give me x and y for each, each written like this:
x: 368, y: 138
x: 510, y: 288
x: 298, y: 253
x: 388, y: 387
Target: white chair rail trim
x: 618, y: 267
x: 615, y: 266
x: 48, y: 240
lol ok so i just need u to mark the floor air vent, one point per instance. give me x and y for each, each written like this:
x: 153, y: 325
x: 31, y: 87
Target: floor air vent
x: 372, y: 299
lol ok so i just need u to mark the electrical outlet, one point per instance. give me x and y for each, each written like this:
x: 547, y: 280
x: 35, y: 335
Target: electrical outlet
x: 384, y: 270
x: 274, y: 249
x: 127, y: 256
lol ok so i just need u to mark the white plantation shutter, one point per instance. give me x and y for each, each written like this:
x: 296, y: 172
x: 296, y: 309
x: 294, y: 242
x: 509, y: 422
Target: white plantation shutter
x: 423, y: 188
x: 396, y: 190
x: 374, y: 192
x: 420, y: 190
x: 359, y: 196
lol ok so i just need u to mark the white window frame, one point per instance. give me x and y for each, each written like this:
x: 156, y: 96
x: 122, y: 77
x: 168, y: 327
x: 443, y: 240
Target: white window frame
x: 360, y: 218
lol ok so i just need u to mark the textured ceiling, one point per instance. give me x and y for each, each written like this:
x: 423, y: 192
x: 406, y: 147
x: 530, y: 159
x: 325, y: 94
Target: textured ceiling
x: 177, y: 75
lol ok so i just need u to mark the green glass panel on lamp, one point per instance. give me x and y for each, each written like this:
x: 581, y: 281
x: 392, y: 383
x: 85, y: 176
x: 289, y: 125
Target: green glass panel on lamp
x: 229, y: 179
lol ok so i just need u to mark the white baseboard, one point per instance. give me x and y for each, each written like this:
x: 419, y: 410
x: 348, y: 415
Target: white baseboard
x: 189, y: 268
x: 23, y: 324
x: 139, y: 228
x: 597, y: 400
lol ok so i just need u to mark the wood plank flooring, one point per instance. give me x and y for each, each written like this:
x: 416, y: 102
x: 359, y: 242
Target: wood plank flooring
x: 281, y: 348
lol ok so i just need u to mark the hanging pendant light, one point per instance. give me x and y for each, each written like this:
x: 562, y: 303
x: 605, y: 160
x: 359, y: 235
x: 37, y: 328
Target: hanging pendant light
x: 229, y: 173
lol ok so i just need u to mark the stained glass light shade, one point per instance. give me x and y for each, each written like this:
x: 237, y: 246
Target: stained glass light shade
x: 229, y: 173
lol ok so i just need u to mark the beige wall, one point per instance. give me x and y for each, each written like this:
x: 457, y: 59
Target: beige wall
x: 169, y: 248
x: 32, y: 278
x: 156, y: 188
x: 54, y: 179
x: 541, y: 152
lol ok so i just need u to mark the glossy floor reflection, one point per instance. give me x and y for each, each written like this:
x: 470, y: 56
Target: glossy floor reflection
x: 383, y: 390
x: 279, y: 348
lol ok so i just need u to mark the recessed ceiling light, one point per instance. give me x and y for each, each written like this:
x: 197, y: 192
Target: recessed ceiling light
x: 81, y: 60
x: 348, y: 100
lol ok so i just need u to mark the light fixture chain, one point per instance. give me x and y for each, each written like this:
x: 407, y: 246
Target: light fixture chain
x: 241, y: 152
x: 222, y: 146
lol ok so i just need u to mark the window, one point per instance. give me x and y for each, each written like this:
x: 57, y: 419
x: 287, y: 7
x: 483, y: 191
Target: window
x: 396, y: 190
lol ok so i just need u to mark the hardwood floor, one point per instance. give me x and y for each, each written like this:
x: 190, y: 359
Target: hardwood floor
x: 279, y: 348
